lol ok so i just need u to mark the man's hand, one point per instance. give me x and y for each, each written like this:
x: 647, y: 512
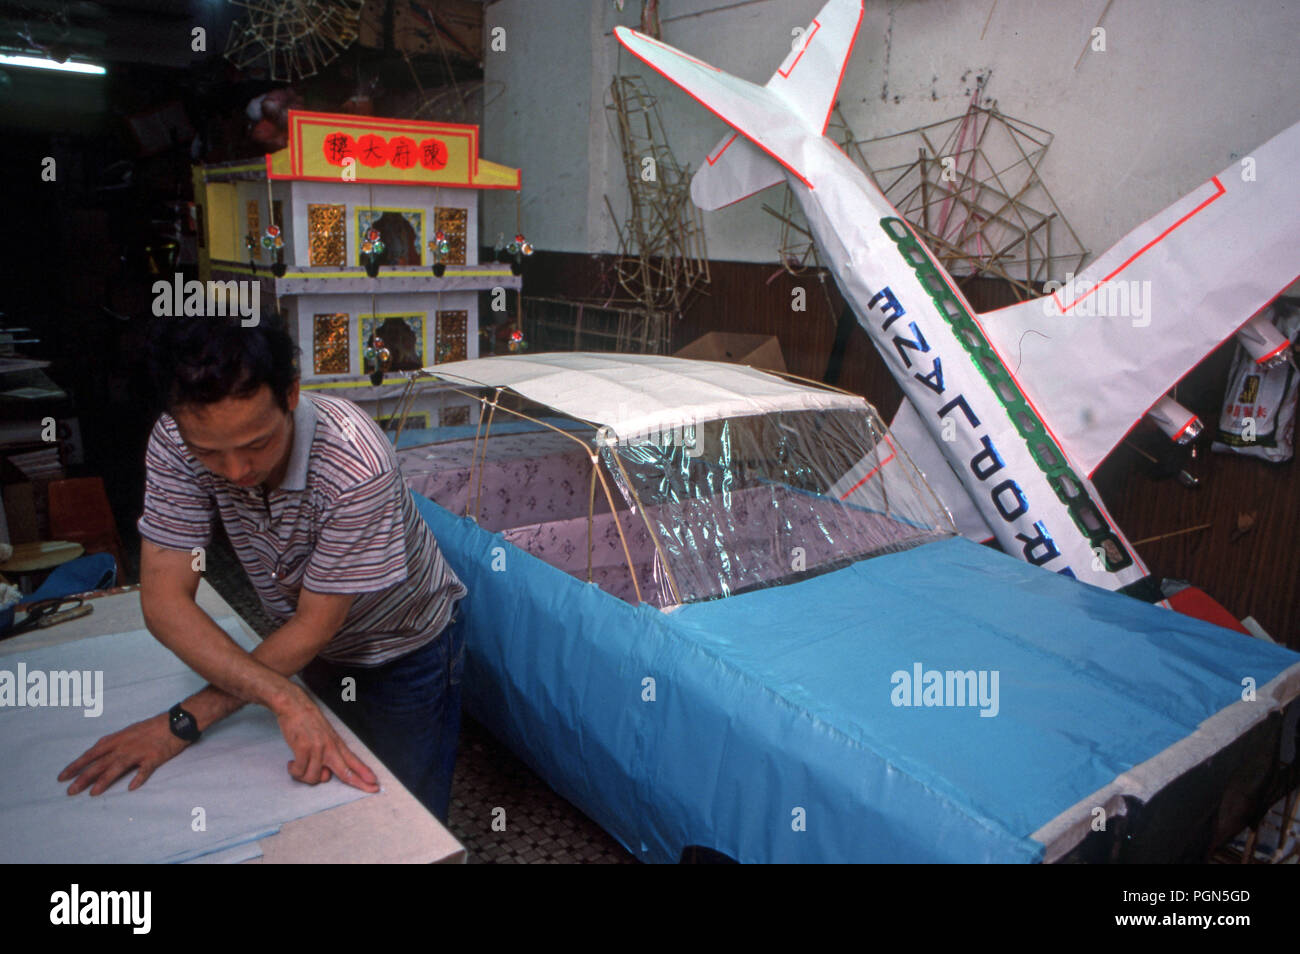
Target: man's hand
x: 144, y: 746
x: 317, y: 749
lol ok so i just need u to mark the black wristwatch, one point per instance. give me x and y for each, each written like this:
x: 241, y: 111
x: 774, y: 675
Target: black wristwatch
x: 182, y: 724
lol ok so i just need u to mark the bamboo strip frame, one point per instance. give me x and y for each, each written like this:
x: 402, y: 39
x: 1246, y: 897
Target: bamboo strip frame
x: 596, y: 471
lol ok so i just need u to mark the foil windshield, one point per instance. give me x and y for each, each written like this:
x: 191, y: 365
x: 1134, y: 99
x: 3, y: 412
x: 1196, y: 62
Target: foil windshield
x: 765, y: 500
x: 691, y: 512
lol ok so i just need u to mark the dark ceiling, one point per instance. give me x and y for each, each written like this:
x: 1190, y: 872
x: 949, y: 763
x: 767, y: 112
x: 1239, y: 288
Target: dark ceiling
x: 159, y: 32
x: 155, y: 32
x: 148, y: 47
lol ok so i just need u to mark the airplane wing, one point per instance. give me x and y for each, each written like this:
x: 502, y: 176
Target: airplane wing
x: 1095, y: 355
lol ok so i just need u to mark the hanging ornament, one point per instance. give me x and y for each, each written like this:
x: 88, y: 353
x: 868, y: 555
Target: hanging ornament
x: 373, y: 244
x: 517, y: 341
x: 518, y: 249
x: 438, y: 247
x: 250, y: 243
x: 379, y: 356
x: 272, y: 238
x: 372, y: 247
x: 376, y: 353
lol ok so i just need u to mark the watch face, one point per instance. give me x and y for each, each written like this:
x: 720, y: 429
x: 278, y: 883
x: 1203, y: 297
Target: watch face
x: 183, y: 725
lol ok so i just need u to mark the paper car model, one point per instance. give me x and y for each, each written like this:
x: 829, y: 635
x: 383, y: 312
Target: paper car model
x: 713, y: 607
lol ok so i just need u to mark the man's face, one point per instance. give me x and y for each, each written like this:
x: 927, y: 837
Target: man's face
x: 246, y: 440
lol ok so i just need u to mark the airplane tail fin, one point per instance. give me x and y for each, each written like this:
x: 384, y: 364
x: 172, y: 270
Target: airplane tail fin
x: 809, y: 79
x: 773, y: 119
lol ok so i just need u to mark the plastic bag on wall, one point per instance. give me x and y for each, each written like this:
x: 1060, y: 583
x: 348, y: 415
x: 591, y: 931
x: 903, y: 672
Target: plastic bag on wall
x: 1259, y: 408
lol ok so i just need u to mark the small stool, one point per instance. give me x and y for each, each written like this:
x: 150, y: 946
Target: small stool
x: 40, y: 555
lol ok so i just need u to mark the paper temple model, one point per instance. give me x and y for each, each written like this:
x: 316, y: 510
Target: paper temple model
x: 364, y: 231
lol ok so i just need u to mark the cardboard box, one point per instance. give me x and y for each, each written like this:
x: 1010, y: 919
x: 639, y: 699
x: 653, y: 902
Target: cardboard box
x: 757, y: 351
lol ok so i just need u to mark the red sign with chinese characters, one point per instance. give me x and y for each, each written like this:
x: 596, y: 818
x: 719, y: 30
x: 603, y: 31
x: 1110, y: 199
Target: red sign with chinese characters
x: 400, y: 151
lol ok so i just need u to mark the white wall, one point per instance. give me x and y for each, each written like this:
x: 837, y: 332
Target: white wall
x: 1184, y: 89
x: 540, y: 123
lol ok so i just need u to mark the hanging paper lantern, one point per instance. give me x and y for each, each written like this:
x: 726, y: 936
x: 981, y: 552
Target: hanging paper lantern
x: 377, y: 354
x: 438, y: 247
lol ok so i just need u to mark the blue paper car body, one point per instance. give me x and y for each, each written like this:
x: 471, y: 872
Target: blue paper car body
x: 890, y: 692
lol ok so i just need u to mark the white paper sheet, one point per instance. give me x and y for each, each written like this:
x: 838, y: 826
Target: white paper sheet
x: 236, y: 773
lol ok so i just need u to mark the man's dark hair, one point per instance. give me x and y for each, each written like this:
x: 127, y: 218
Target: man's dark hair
x: 198, y: 361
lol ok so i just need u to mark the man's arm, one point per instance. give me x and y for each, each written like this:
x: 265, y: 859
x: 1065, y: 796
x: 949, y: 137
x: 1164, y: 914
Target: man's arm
x: 168, y: 586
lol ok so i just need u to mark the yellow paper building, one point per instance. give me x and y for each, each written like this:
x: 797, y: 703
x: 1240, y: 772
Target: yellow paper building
x: 341, y: 177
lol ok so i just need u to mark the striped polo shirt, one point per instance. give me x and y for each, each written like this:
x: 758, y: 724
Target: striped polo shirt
x: 341, y: 521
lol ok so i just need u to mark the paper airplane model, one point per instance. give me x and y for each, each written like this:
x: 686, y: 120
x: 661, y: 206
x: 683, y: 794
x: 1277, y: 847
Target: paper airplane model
x: 1008, y: 424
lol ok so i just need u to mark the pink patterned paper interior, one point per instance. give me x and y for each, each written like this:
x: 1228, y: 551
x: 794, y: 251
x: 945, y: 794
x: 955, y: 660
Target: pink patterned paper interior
x: 535, y: 490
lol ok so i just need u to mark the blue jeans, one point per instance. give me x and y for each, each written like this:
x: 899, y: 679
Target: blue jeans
x: 406, y: 711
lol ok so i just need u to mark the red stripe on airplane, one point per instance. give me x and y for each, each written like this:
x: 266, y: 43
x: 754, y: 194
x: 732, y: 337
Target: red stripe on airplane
x: 1132, y: 258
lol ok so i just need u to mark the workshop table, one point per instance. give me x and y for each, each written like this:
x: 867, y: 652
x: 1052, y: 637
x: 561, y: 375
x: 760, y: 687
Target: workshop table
x: 388, y: 827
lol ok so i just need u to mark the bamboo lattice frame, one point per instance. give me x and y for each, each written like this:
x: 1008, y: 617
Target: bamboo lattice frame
x: 296, y: 38
x: 973, y: 192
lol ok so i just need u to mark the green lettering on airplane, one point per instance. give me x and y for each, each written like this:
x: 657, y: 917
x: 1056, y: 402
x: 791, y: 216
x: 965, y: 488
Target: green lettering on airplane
x: 1047, y: 454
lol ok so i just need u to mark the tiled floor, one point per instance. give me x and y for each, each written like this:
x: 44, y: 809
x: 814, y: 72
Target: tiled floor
x: 539, y: 826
